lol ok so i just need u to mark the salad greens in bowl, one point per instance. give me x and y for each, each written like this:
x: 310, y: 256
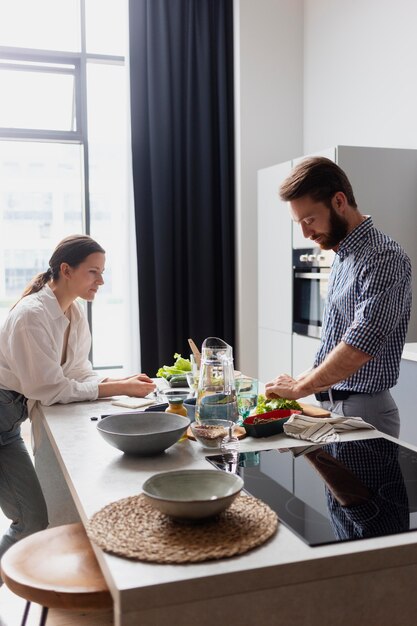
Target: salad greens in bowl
x: 265, y: 405
x: 269, y: 416
x: 179, y: 368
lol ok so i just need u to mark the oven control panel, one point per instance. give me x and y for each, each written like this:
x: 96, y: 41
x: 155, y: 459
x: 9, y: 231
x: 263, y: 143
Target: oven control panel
x: 315, y: 257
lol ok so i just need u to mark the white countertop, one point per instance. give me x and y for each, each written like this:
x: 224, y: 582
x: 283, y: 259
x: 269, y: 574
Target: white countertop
x: 410, y: 352
x: 98, y: 474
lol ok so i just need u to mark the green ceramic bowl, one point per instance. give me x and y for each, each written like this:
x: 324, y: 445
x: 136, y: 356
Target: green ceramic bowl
x: 192, y: 494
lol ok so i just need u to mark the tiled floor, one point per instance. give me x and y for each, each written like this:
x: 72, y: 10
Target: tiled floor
x: 11, y: 606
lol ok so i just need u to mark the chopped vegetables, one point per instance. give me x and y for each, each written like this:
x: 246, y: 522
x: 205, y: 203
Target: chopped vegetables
x: 270, y: 404
x: 180, y: 368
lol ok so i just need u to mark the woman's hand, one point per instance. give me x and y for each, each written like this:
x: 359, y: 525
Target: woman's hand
x: 144, y: 378
x: 137, y: 386
x: 284, y: 386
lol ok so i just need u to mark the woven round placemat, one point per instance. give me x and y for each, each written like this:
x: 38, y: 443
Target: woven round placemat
x: 132, y: 528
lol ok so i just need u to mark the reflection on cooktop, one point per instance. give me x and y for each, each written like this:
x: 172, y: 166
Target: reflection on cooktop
x: 335, y: 492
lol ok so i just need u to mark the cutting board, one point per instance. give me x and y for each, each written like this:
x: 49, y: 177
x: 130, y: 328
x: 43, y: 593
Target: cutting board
x: 314, y: 411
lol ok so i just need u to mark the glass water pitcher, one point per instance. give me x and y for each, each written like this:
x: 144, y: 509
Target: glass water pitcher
x: 216, y: 392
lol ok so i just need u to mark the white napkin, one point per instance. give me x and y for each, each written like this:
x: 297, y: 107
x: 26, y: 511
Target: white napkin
x: 133, y: 403
x: 322, y: 429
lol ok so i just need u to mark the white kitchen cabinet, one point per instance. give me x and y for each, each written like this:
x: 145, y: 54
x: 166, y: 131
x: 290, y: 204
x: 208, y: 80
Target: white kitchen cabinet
x: 275, y: 250
x: 275, y: 348
x: 384, y: 182
x: 274, y: 277
x: 303, y: 352
x: 404, y: 395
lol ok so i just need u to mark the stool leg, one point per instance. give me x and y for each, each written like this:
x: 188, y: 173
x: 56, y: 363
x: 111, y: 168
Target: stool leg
x: 25, y: 613
x: 44, y: 616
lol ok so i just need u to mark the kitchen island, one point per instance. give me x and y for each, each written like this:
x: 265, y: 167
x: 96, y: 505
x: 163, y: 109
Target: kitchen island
x: 410, y: 352
x: 403, y: 393
x: 284, y: 581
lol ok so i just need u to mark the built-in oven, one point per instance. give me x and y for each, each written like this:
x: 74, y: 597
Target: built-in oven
x: 311, y: 269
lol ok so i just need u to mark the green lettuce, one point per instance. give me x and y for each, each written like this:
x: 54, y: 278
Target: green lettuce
x: 180, y: 368
x: 270, y: 404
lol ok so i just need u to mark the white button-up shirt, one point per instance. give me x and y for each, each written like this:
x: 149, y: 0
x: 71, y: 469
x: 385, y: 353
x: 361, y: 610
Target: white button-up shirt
x: 31, y: 347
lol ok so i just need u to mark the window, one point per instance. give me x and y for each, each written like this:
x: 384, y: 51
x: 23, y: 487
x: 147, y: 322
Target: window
x: 64, y: 150
x: 52, y: 96
x: 41, y: 24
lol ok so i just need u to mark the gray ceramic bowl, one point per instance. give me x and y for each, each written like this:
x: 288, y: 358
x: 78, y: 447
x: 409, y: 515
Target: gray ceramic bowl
x: 143, y: 432
x: 192, y: 494
x: 189, y: 404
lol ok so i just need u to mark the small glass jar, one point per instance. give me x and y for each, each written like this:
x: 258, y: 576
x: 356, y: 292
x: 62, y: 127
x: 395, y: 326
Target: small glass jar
x: 176, y: 405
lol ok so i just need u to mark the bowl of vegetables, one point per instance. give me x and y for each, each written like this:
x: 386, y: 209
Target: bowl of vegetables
x: 176, y: 374
x: 269, y: 416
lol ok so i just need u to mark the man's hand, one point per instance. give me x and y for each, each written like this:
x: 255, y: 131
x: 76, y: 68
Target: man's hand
x: 284, y: 386
x: 340, y: 363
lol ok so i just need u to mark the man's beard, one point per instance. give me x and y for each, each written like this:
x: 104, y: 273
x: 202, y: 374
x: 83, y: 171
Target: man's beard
x: 338, y: 229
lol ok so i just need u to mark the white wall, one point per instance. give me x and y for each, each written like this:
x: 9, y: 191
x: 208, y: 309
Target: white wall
x: 269, y: 122
x: 360, y: 73
x: 311, y: 74
x: 360, y: 88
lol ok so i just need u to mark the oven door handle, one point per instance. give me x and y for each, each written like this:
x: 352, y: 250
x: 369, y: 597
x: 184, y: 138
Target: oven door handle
x: 312, y: 276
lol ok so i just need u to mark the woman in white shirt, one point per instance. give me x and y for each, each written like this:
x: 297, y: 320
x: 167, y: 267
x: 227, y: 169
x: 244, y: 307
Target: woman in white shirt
x: 44, y: 347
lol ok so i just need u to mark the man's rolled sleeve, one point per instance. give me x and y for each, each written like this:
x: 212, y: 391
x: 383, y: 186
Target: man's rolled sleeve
x: 382, y: 301
x: 366, y: 339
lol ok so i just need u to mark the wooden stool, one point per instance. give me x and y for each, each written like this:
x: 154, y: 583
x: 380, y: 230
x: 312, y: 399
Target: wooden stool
x: 56, y: 568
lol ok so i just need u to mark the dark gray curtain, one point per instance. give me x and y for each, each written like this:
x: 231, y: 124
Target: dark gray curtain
x: 181, y: 71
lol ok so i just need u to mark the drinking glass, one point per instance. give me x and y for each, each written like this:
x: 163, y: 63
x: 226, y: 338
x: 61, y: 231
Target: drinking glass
x: 230, y: 450
x: 192, y: 380
x: 193, y: 376
x: 247, y: 396
x: 195, y: 368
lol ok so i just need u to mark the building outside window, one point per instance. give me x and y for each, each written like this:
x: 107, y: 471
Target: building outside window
x: 64, y: 154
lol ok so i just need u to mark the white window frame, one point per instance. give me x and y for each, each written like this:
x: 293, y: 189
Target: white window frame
x: 78, y: 67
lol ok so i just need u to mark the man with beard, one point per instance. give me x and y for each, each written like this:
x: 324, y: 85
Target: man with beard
x: 368, y: 302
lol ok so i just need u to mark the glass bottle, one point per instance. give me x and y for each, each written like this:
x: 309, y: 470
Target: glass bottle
x: 176, y: 405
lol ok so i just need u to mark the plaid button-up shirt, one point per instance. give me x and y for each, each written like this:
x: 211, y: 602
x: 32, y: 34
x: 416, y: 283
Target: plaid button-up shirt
x: 368, y: 306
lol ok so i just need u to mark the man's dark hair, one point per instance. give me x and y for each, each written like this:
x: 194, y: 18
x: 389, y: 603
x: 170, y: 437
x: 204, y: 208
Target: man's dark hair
x: 319, y: 178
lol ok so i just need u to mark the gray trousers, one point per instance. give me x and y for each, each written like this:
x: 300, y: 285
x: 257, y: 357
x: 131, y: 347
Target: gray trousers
x: 21, y: 498
x: 378, y: 409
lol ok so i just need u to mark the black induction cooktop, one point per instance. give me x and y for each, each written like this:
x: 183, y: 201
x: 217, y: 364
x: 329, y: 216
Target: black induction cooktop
x: 335, y: 492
